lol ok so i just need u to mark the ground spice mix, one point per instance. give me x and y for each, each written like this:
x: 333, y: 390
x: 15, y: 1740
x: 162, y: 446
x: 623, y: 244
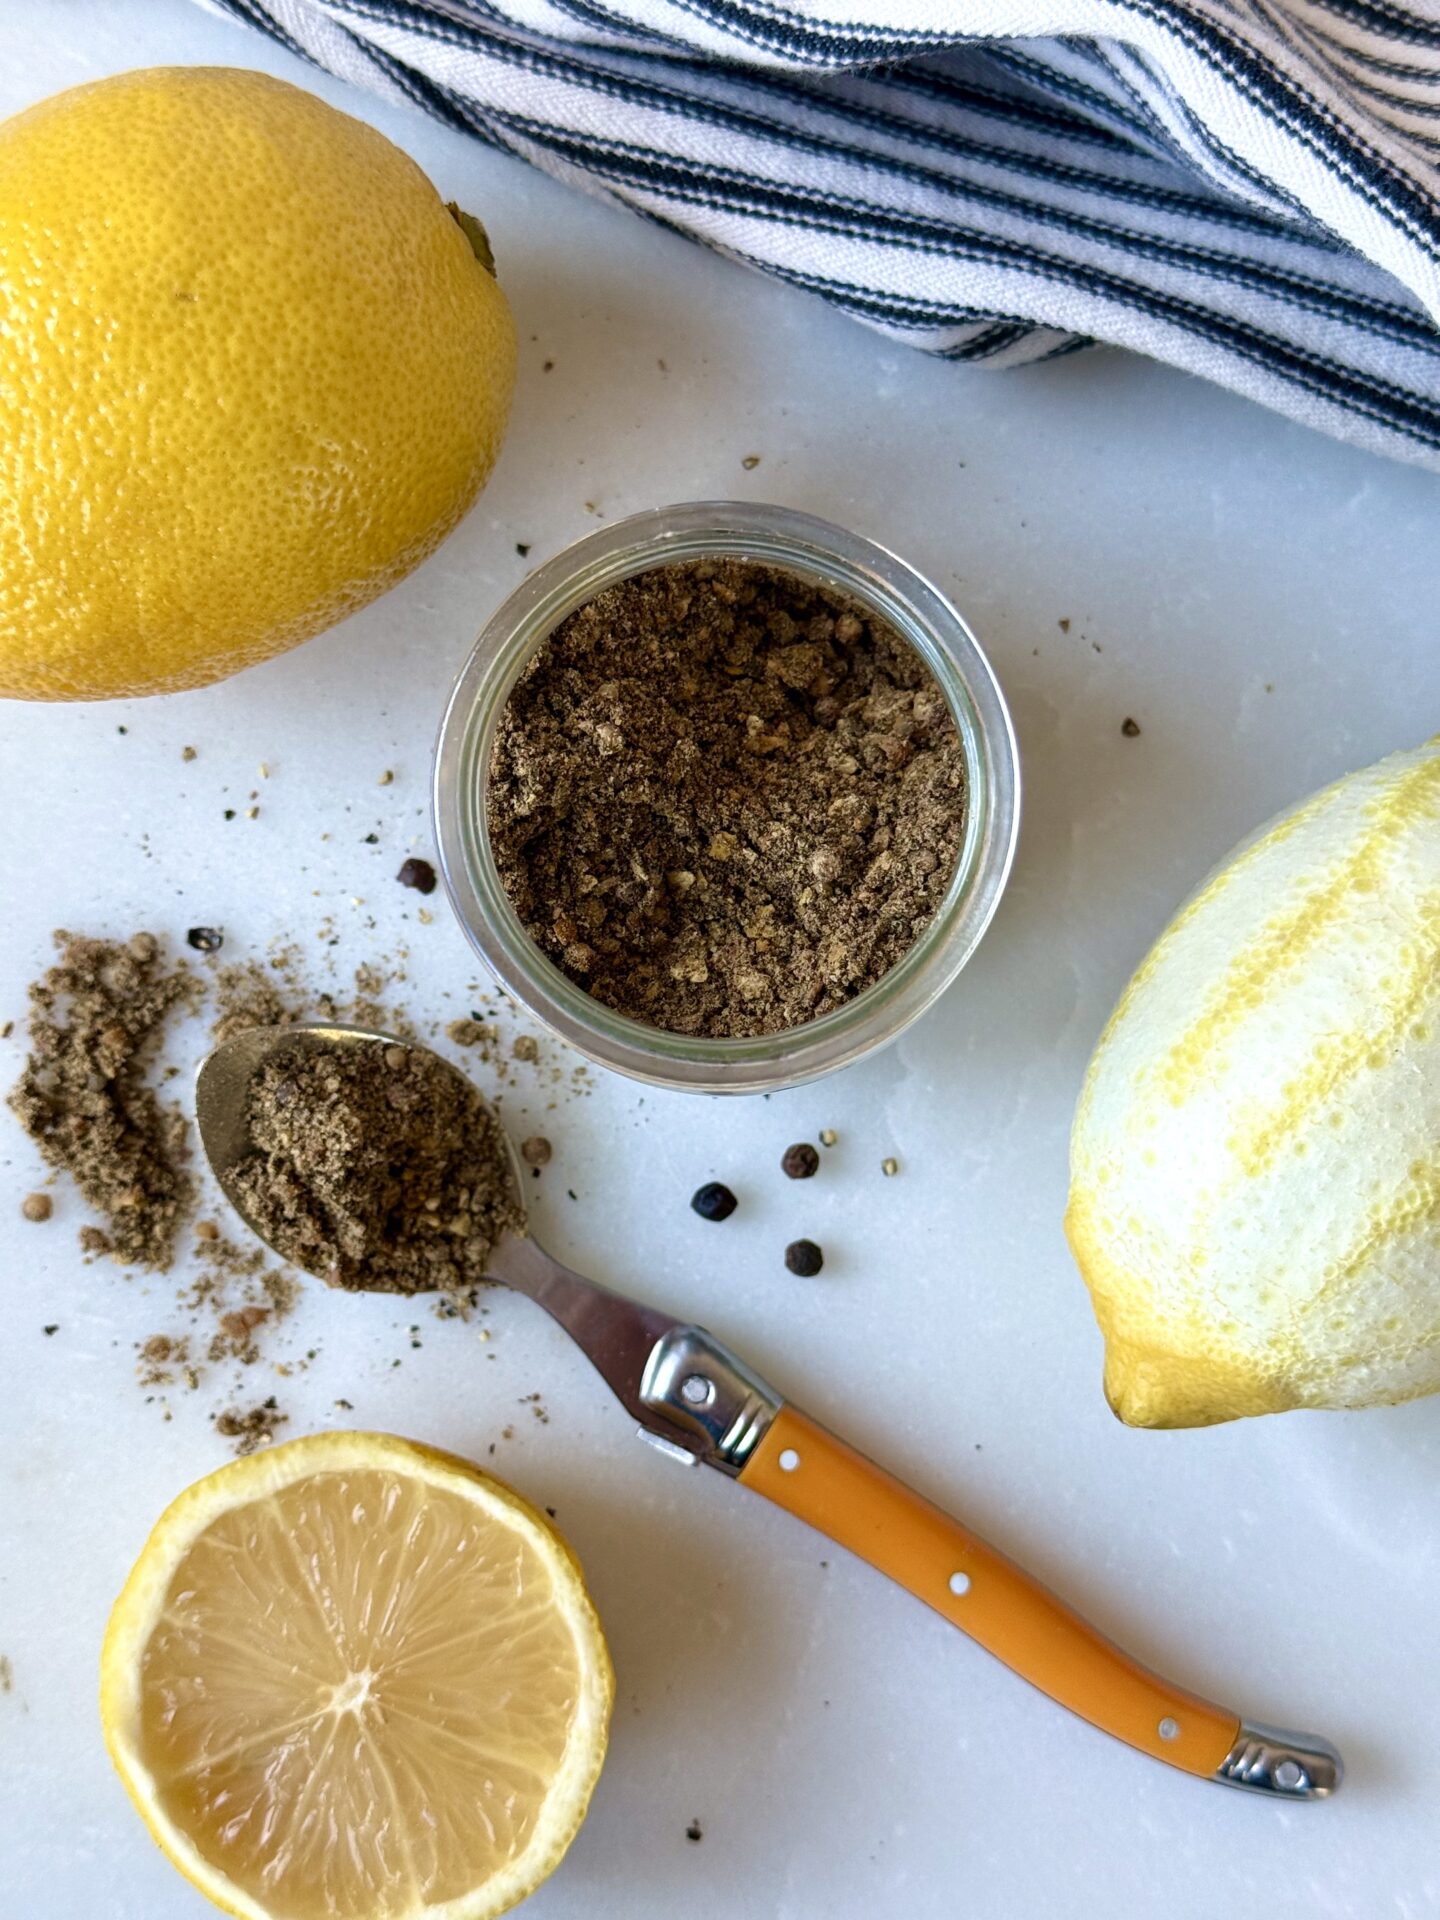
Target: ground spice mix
x: 724, y: 799
x: 83, y: 1097
x: 379, y: 1169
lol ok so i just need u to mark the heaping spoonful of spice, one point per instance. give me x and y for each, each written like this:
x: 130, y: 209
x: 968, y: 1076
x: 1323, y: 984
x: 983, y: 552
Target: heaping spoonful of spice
x: 376, y: 1164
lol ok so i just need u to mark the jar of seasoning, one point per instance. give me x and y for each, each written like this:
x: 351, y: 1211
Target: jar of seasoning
x: 839, y: 561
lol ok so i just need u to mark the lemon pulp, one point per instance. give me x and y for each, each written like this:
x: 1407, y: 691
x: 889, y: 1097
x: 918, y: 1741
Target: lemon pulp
x: 362, y: 1694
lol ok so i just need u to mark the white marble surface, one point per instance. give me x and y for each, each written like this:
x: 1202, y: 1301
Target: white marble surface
x: 1263, y: 601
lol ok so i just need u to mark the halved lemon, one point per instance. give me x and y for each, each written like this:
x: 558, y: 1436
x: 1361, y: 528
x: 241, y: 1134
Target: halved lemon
x: 355, y: 1679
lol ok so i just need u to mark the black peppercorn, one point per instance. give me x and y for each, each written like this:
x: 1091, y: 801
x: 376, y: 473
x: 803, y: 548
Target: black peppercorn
x: 804, y: 1257
x: 800, y: 1161
x: 205, y: 939
x: 714, y: 1201
x: 418, y: 874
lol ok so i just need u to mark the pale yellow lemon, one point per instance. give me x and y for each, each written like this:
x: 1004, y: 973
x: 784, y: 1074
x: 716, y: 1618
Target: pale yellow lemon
x: 351, y: 1678
x: 1255, y: 1163
x: 253, y: 372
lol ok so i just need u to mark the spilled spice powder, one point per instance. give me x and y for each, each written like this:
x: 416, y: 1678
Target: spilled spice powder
x: 100, y: 1010
x: 248, y: 997
x: 252, y: 1429
x: 83, y: 1097
x: 236, y: 1337
x: 724, y: 799
x: 380, y: 1170
x: 234, y: 1303
x: 163, y: 1357
x: 470, y: 1033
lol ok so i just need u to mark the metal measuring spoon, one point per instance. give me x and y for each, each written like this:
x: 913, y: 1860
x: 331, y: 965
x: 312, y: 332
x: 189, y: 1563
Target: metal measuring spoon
x: 697, y: 1402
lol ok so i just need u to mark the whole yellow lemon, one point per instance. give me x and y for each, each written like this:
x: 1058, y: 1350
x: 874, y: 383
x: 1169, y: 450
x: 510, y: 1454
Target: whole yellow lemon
x: 1255, y: 1165
x: 254, y: 371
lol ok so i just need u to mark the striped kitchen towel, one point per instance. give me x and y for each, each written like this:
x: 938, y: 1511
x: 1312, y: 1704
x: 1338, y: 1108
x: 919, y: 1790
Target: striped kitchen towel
x: 1249, y: 189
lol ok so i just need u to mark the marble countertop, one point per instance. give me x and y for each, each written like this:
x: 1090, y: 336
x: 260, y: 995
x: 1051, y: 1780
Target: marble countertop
x: 1126, y: 542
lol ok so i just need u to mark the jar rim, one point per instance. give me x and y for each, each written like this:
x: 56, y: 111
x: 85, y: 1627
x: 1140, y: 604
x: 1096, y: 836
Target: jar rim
x: 842, y: 561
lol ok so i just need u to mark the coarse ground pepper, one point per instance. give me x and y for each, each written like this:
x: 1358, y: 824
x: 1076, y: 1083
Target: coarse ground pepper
x: 83, y: 1097
x: 253, y: 1429
x: 379, y: 1169
x: 724, y: 799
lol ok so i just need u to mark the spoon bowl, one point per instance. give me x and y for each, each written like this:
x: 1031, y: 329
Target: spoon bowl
x: 222, y: 1095
x: 616, y: 1333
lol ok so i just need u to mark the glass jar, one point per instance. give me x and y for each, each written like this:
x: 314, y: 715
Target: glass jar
x: 836, y: 559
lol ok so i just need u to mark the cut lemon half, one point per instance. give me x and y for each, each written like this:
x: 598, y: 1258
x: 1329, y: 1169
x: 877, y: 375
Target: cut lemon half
x: 354, y: 1679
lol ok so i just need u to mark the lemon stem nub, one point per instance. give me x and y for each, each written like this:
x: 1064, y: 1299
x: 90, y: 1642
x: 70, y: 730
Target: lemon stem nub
x: 475, y: 233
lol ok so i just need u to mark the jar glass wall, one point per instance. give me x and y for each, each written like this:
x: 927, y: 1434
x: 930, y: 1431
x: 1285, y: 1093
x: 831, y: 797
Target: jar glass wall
x: 841, y: 561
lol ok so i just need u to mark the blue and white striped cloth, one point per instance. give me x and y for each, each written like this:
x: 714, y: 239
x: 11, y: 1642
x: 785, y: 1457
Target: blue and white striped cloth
x: 1249, y: 189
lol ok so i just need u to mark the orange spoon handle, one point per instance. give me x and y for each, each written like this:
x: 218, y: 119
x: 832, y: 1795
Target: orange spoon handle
x: 818, y: 1478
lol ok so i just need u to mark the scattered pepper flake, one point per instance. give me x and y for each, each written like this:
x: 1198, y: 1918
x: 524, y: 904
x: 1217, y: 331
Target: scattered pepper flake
x: 241, y: 1322
x: 469, y: 1033
x: 418, y: 874
x: 253, y: 1429
x: 713, y: 1201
